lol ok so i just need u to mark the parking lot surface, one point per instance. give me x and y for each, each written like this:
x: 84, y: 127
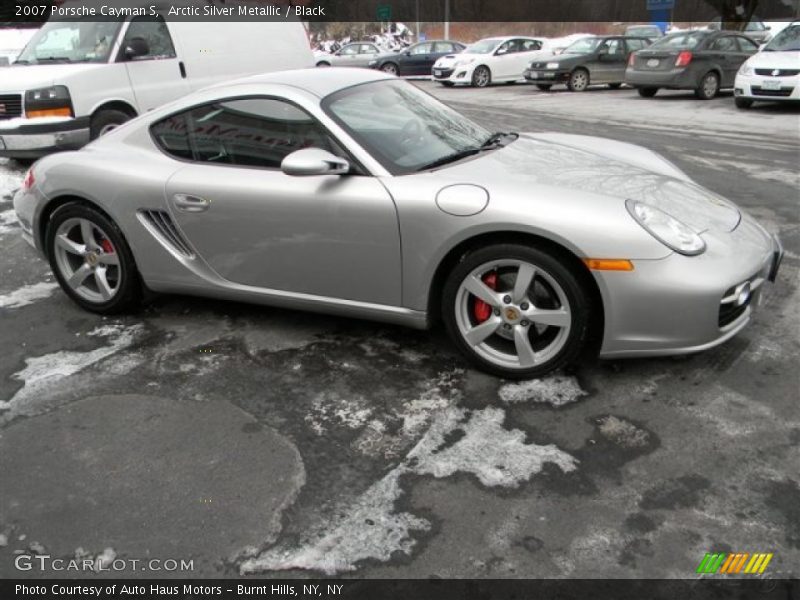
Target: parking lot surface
x: 253, y: 440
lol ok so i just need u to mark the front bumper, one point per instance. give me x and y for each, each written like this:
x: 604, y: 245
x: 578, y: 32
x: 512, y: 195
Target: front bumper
x: 759, y: 87
x: 678, y: 79
x: 685, y: 304
x: 546, y: 76
x: 33, y: 138
x: 453, y: 74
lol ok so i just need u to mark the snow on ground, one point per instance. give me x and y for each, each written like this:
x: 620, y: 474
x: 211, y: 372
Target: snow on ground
x: 458, y: 440
x: 42, y: 372
x: 27, y: 294
x: 8, y: 221
x: 556, y: 390
x: 12, y: 41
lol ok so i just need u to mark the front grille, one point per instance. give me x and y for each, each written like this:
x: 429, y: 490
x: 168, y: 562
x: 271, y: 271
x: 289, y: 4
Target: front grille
x: 729, y: 309
x: 10, y: 106
x: 778, y: 72
x: 164, y: 227
x: 443, y: 73
x: 781, y: 93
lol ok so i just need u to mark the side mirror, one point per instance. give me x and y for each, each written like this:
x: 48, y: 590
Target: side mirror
x: 136, y: 47
x: 314, y: 161
x: 407, y: 53
x: 501, y: 51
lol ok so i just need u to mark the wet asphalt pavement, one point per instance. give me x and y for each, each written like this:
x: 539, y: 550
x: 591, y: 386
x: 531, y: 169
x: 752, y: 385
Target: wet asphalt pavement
x: 253, y: 440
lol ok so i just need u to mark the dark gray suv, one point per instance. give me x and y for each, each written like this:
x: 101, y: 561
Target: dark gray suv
x: 589, y: 61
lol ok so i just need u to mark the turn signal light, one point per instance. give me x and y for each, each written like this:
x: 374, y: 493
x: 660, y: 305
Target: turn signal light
x: 29, y: 180
x: 65, y: 111
x: 608, y: 264
x: 684, y: 58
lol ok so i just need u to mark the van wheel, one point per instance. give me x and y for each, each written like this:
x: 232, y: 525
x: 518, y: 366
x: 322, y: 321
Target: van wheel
x: 106, y: 120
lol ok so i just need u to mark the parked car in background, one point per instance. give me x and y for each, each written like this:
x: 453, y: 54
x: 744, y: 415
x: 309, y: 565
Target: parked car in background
x: 755, y: 29
x: 76, y: 80
x: 773, y: 73
x: 491, y: 60
x: 591, y: 60
x: 417, y: 59
x: 651, y: 32
x: 356, y: 54
x: 704, y: 61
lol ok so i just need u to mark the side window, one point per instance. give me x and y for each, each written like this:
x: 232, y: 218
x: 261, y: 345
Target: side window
x: 530, y: 45
x: 506, y: 48
x: 254, y: 132
x: 421, y: 49
x: 747, y: 45
x: 350, y: 50
x: 155, y: 33
x: 445, y: 47
x: 725, y: 44
x: 368, y: 49
x: 614, y: 46
x: 634, y: 45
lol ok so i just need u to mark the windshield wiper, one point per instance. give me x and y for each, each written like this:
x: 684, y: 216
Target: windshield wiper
x: 496, y: 138
x: 444, y: 160
x: 54, y: 59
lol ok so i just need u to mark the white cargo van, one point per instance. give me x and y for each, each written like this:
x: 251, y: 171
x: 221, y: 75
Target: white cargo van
x: 77, y: 79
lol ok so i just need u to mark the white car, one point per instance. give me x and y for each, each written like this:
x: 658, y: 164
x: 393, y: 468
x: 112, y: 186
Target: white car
x: 773, y: 73
x: 491, y: 60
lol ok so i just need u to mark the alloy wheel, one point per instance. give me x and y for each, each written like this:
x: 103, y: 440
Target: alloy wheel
x: 481, y: 77
x: 579, y: 81
x: 513, y: 314
x: 87, y: 260
x: 389, y: 68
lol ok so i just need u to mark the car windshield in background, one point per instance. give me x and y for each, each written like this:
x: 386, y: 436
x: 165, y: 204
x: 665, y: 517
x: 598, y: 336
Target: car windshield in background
x: 751, y: 26
x: 643, y: 31
x: 482, y: 47
x: 402, y: 126
x: 679, y: 40
x: 787, y: 40
x: 71, y: 41
x: 582, y: 46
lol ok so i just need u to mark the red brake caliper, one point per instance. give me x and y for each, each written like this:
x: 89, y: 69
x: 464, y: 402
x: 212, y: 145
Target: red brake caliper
x: 107, y: 247
x: 481, y: 310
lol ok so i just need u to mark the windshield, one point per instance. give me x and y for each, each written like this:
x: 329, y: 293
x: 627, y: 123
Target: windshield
x: 483, y: 46
x: 643, y: 30
x: 679, y: 40
x: 787, y: 40
x: 71, y: 41
x: 583, y: 46
x: 401, y: 126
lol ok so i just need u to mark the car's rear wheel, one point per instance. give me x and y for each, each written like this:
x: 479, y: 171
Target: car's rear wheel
x: 515, y: 311
x: 743, y: 102
x: 91, y: 259
x: 647, y: 92
x: 709, y: 86
x: 389, y: 68
x: 105, y: 121
x: 323, y: 63
x: 544, y: 86
x: 481, y: 77
x: 578, y: 80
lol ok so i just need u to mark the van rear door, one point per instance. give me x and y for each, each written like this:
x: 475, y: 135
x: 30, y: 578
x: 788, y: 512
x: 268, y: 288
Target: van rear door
x: 156, y: 73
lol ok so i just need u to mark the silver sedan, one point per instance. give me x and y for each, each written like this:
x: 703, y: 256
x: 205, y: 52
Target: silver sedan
x: 351, y: 192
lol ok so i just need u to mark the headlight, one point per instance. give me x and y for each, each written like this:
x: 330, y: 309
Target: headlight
x: 552, y: 65
x: 48, y: 102
x: 746, y: 69
x: 666, y: 228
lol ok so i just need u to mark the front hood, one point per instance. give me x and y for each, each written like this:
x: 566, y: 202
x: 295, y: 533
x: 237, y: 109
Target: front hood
x: 775, y: 60
x: 450, y: 59
x: 565, y: 57
x: 530, y: 163
x: 29, y: 77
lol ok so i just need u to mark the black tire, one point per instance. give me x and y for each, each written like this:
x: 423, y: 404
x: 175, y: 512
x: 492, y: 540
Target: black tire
x: 555, y: 266
x: 743, y: 102
x: 511, y: 82
x: 390, y: 68
x: 647, y: 92
x: 106, y: 120
x: 323, y: 63
x: 614, y: 86
x: 545, y: 87
x: 708, y: 87
x: 129, y: 291
x: 578, y: 80
x: 481, y: 77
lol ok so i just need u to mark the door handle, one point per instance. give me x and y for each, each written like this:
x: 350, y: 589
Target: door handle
x: 188, y: 203
x: 182, y: 68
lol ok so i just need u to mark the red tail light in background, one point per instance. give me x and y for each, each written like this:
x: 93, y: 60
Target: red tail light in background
x: 684, y: 58
x: 29, y: 180
x: 631, y: 60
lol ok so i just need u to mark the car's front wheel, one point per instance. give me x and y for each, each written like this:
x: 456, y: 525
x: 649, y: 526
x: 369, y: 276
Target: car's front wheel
x: 578, y: 80
x: 481, y: 77
x: 389, y: 68
x: 515, y: 311
x: 91, y: 259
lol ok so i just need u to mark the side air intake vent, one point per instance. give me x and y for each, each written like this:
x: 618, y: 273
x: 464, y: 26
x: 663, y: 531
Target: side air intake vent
x: 162, y: 226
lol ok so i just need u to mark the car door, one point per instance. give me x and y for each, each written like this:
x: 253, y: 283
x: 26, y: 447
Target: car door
x: 334, y: 236
x: 525, y: 54
x: 417, y: 60
x: 747, y: 48
x: 366, y: 53
x: 157, y: 76
x: 609, y: 64
x: 724, y: 51
x: 503, y: 61
x: 347, y: 56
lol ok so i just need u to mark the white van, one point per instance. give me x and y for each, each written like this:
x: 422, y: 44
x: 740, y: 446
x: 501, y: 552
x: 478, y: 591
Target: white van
x: 77, y: 79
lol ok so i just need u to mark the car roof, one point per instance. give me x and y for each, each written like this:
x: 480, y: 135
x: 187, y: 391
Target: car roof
x: 319, y: 82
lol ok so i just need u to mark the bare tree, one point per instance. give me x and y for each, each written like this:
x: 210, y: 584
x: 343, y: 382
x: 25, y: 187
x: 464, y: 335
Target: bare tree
x: 734, y: 14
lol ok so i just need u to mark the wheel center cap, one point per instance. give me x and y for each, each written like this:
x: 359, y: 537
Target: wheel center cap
x: 91, y: 259
x: 511, y: 314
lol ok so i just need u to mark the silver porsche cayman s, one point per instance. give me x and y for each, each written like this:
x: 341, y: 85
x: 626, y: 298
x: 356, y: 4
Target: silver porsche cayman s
x: 351, y: 192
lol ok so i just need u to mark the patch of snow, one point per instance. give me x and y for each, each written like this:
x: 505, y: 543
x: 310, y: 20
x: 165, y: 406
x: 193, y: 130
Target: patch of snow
x: 622, y: 432
x: 104, y: 559
x: 371, y: 529
x: 8, y: 221
x: 41, y: 372
x: 330, y: 409
x: 27, y: 294
x: 556, y: 390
